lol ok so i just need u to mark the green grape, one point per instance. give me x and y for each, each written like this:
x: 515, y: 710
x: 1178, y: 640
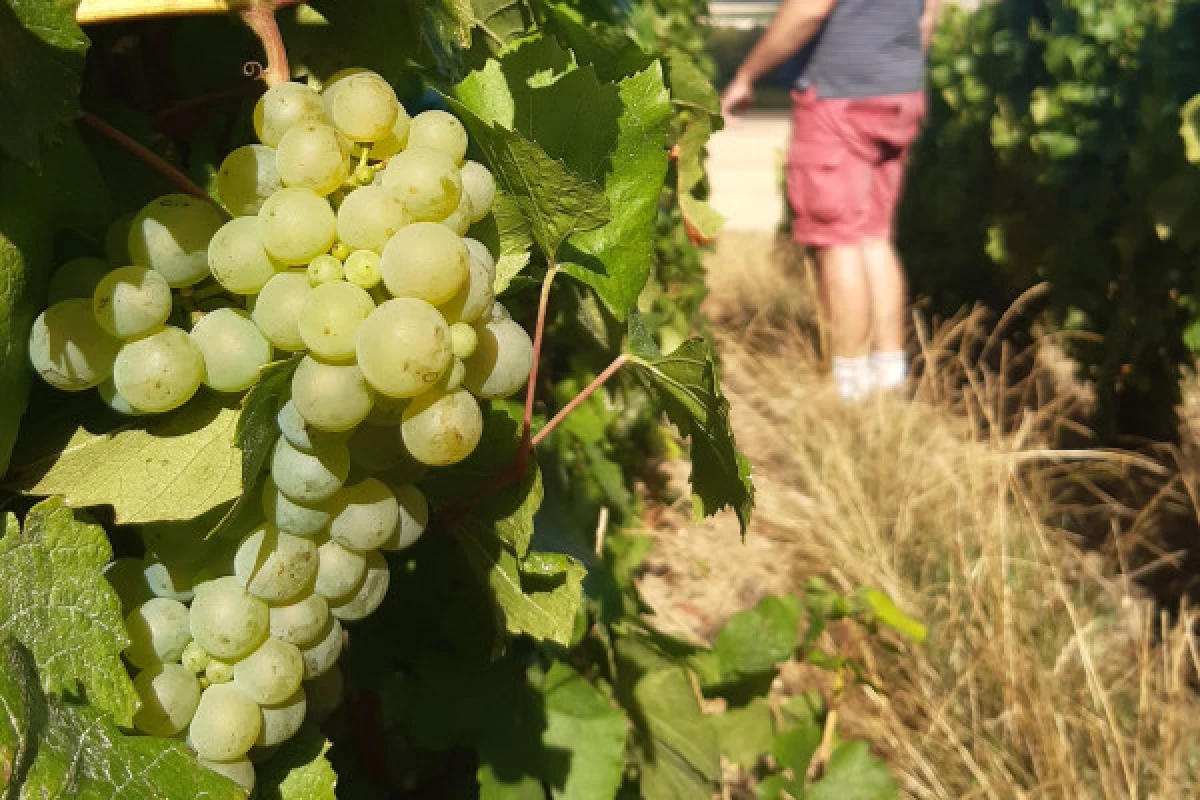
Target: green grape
x: 239, y: 770
x: 363, y: 107
x: 169, y: 696
x: 413, y: 518
x: 375, y: 448
x: 385, y: 411
x: 79, y: 277
x: 130, y: 301
x: 69, y: 349
x: 362, y: 269
x: 283, y: 106
x: 271, y: 674
x: 480, y: 186
x: 369, y: 596
x: 340, y: 251
x: 246, y: 179
x: 158, y: 632
x: 324, y: 693
x: 427, y: 180
x: 303, y: 622
x: 297, y: 225
x: 226, y: 620
x: 226, y: 724
x: 396, y: 139
x: 441, y: 131
x: 425, y: 260
x: 330, y: 318
x: 288, y: 515
x: 330, y: 397
x: 172, y: 583
x: 475, y: 299
x: 369, y: 216
x: 324, y: 269
x: 113, y: 399
x: 194, y: 658
x: 159, y: 372
x: 275, y: 567
x: 302, y: 435
x: 341, y: 572
x: 463, y: 339
x: 278, y: 306
x: 459, y: 220
x: 171, y: 235
x: 116, y: 240
x: 282, y: 720
x: 312, y: 155
x: 502, y: 359
x: 454, y: 378
x: 218, y: 671
x: 237, y: 258
x: 310, y: 477
x: 127, y: 579
x: 321, y: 657
x: 233, y: 348
x: 442, y: 428
x: 410, y: 327
x: 364, y: 515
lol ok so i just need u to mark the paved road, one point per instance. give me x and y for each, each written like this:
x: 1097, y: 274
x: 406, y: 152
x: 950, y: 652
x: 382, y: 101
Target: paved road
x: 744, y: 163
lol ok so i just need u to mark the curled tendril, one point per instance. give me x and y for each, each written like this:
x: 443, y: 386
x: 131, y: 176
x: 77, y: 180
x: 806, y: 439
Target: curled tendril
x: 253, y: 69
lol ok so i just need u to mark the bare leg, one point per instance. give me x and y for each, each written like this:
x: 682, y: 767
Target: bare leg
x: 846, y: 296
x: 885, y: 276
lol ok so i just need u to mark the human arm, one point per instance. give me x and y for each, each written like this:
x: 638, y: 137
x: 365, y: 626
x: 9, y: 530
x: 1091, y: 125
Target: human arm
x: 933, y: 8
x: 793, y: 26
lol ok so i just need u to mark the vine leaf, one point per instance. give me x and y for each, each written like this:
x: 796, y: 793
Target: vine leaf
x: 501, y: 21
x: 55, y: 601
x: 299, y: 769
x: 581, y: 720
x: 702, y: 220
x: 685, y: 384
x: 53, y: 748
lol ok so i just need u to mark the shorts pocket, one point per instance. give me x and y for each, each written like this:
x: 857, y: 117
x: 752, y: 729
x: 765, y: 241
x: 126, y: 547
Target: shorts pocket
x: 819, y: 184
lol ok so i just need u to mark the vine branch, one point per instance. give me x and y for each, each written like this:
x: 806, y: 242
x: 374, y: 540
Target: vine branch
x: 587, y: 392
x: 157, y: 162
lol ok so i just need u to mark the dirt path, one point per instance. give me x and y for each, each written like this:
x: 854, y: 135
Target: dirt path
x: 743, y: 167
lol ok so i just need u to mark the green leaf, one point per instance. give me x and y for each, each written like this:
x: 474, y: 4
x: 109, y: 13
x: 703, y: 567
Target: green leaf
x: 605, y: 47
x: 298, y: 770
x: 40, y: 74
x: 584, y: 728
x: 507, y: 235
x: 493, y: 786
x: 63, y: 750
x: 747, y: 733
x: 325, y: 36
x: 703, y: 222
x: 685, y: 384
x: 1189, y: 128
x: 502, y: 21
x: 758, y: 639
x: 55, y: 601
x: 794, y: 749
x: 854, y: 774
x: 177, y: 467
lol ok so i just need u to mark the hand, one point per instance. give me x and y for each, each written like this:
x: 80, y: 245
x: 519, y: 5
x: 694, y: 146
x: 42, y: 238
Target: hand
x: 928, y: 22
x: 737, y: 95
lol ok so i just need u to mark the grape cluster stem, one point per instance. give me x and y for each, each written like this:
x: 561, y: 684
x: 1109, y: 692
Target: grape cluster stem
x: 260, y: 18
x: 160, y: 165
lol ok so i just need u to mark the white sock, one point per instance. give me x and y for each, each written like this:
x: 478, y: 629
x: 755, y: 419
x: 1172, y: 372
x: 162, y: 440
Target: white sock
x: 889, y: 370
x: 852, y: 377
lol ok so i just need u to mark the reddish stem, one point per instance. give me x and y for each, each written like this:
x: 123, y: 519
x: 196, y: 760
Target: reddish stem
x: 177, y: 178
x: 260, y: 18
x: 538, y: 332
x: 587, y: 392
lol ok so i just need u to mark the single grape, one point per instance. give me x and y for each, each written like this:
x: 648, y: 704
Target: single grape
x: 246, y: 179
x: 226, y: 724
x: 396, y: 139
x: 113, y: 399
x: 310, y: 477
x: 275, y: 567
x: 463, y: 339
x: 283, y: 106
x: 218, y: 671
x: 476, y: 298
x: 194, y: 659
x: 116, y: 240
x: 502, y: 359
x: 330, y: 397
x: 454, y: 378
x: 363, y: 107
x: 313, y: 155
x: 330, y: 318
x: 172, y: 583
x: 324, y: 693
x: 282, y: 720
x: 340, y: 251
x: 427, y: 261
x: 278, y: 307
x: 271, y: 674
x: 385, y: 411
x: 130, y: 301
x: 171, y: 235
x: 427, y: 180
x: 127, y: 579
x: 69, y: 349
x: 442, y: 428
x: 239, y: 770
x: 233, y: 348
x: 297, y: 225
x: 324, y: 269
x: 322, y: 656
x: 288, y: 515
x: 341, y: 572
x: 413, y: 518
x: 301, y: 434
x: 410, y: 327
x: 79, y: 277
x: 169, y: 696
x: 362, y: 269
x: 226, y: 620
x: 369, y: 596
x: 375, y: 448
x: 441, y: 131
x: 369, y: 216
x: 364, y: 515
x: 237, y: 258
x: 303, y: 622
x: 478, y: 184
x: 158, y: 632
x: 159, y: 372
x: 459, y: 220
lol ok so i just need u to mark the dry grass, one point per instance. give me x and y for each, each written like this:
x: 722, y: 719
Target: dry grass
x: 1047, y: 673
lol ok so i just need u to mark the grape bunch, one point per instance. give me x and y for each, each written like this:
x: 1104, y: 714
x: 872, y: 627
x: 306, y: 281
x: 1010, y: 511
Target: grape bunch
x: 344, y: 242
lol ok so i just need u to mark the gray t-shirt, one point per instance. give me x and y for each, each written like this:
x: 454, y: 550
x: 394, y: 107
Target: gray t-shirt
x: 867, y: 48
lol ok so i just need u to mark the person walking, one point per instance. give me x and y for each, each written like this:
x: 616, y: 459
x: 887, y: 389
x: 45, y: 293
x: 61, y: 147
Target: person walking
x: 857, y: 107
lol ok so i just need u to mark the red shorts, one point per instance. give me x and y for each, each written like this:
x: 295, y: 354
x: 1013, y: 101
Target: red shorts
x: 846, y: 164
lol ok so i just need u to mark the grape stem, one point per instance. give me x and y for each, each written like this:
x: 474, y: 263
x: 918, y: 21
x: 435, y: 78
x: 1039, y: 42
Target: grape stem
x: 260, y: 18
x: 160, y: 165
x: 578, y: 399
